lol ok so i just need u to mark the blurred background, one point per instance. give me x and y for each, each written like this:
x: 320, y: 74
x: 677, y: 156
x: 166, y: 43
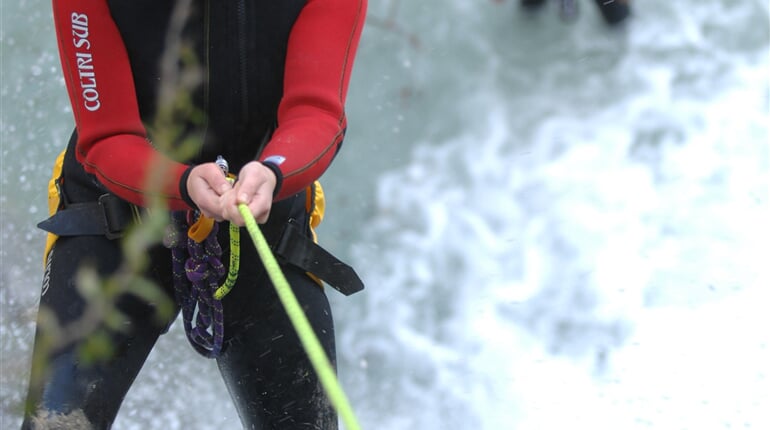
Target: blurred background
x: 560, y: 224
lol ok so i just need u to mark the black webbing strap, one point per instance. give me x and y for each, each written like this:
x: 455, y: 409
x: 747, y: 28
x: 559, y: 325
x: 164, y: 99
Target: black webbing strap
x: 109, y: 216
x: 295, y: 248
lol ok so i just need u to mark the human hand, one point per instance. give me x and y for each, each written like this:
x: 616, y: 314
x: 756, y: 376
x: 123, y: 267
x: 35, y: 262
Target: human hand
x: 206, y: 184
x: 254, y: 188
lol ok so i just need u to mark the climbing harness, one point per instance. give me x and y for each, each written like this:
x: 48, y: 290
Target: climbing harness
x: 108, y: 216
x: 54, y: 202
x: 196, y: 252
x: 197, y: 268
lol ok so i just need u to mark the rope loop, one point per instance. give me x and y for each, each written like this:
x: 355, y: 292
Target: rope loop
x: 197, y: 269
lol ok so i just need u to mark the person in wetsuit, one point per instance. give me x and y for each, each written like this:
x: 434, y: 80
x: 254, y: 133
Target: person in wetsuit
x: 270, y: 80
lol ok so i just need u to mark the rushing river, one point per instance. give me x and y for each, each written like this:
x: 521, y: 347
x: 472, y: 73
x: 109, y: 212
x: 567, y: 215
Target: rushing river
x: 560, y: 225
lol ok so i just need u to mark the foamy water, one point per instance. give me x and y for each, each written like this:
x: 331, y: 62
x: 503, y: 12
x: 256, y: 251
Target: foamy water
x: 559, y: 225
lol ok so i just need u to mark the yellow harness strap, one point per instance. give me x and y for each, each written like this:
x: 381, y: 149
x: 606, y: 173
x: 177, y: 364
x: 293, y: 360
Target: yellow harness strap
x: 316, y: 206
x: 54, y: 202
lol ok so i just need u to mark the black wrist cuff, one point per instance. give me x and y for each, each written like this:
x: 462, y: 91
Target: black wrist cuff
x: 183, y: 189
x: 278, y: 176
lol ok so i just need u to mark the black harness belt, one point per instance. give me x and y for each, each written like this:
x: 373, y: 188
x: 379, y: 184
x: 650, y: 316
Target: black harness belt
x: 110, y: 216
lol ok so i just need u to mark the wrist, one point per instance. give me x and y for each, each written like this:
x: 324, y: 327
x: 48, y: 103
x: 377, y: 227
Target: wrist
x: 278, y: 176
x: 183, y: 191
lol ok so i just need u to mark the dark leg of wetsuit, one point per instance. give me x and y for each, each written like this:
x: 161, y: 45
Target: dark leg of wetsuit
x: 73, y: 391
x: 264, y: 365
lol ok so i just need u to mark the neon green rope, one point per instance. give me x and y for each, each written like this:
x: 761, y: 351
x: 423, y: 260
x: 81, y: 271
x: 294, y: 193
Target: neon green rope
x: 235, y: 258
x: 301, y: 324
x: 235, y: 246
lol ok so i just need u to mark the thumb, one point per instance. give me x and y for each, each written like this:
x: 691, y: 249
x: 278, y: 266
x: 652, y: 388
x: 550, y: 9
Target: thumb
x: 222, y: 185
x: 215, y: 179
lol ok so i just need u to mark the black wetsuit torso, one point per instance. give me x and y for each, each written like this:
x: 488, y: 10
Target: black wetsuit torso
x: 238, y: 52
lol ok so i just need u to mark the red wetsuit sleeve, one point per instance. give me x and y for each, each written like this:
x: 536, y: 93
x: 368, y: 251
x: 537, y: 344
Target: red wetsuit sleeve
x: 112, y: 141
x: 311, y: 116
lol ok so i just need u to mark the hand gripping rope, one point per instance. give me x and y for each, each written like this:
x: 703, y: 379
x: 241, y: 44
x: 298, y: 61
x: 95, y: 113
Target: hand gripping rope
x: 197, y: 268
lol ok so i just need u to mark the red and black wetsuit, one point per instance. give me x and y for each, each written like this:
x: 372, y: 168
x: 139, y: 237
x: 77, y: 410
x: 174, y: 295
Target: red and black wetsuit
x: 263, y: 64
x: 268, y: 82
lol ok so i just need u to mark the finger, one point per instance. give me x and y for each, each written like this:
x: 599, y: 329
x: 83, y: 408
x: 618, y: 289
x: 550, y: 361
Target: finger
x: 254, y: 179
x: 229, y: 208
x: 215, y: 216
x: 258, y: 200
x: 260, y: 208
x: 215, y: 179
x: 246, y: 188
x: 206, y: 198
x: 205, y: 185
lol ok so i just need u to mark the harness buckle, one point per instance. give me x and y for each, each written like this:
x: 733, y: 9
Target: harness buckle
x: 113, y: 216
